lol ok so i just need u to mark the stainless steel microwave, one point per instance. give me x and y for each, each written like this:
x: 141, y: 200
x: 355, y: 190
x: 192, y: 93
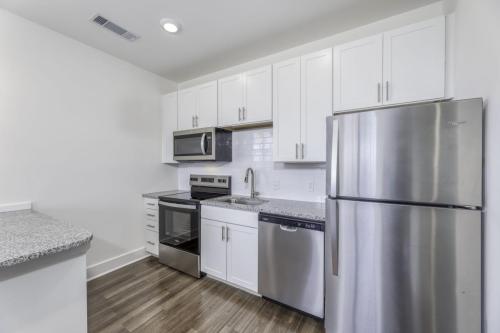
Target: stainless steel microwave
x: 203, y: 144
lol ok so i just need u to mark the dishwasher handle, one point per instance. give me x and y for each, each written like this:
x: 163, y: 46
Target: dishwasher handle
x: 288, y: 228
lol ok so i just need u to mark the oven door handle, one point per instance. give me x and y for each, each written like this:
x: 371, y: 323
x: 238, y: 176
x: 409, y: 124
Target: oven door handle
x: 174, y: 205
x: 202, y: 144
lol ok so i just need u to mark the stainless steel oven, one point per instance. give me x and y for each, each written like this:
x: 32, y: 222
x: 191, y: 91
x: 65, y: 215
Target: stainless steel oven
x: 179, y: 236
x: 179, y: 222
x: 203, y: 144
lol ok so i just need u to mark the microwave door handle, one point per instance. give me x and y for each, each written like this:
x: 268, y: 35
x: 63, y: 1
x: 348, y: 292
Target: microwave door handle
x: 202, y: 144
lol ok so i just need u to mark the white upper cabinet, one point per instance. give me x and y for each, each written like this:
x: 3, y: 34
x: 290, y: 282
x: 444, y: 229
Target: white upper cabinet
x: 258, y: 96
x: 231, y: 100
x: 186, y: 108
x: 168, y: 126
x: 302, y: 98
x: 197, y: 106
x: 414, y: 62
x: 207, y: 105
x: 246, y: 98
x: 400, y: 66
x: 286, y: 110
x: 358, y: 74
x: 316, y: 104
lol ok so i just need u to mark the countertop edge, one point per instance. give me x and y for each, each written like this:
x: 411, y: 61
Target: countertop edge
x: 48, y: 252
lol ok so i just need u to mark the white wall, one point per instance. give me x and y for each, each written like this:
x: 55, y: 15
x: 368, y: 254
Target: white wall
x: 254, y: 148
x: 477, y: 73
x: 79, y: 134
x: 393, y: 22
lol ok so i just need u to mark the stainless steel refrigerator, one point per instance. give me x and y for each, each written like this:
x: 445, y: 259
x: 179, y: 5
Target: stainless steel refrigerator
x: 404, y: 214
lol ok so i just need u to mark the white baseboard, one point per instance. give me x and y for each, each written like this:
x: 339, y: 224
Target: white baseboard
x: 10, y: 207
x: 112, y: 264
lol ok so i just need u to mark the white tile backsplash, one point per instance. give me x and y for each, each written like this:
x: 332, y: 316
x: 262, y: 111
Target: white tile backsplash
x: 254, y: 148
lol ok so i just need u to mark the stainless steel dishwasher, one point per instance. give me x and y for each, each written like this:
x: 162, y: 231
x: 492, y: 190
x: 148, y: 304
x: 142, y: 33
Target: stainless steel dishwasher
x: 291, y: 262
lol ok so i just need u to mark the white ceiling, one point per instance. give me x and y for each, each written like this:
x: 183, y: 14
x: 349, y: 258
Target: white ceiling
x: 215, y: 34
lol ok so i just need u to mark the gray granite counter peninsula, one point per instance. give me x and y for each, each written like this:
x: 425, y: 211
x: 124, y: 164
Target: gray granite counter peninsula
x: 293, y: 208
x: 43, y: 273
x: 27, y: 235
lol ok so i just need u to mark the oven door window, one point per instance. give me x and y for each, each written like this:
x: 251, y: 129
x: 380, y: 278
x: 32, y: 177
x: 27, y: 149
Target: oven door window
x: 179, y: 227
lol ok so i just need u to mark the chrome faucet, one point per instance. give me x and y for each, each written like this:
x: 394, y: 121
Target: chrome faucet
x: 253, y: 194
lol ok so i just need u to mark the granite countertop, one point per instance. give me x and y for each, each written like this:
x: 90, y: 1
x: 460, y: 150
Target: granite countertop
x: 156, y: 195
x: 26, y: 235
x: 301, y: 209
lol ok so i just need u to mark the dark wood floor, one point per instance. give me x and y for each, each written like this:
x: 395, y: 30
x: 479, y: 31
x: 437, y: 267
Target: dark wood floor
x: 149, y: 297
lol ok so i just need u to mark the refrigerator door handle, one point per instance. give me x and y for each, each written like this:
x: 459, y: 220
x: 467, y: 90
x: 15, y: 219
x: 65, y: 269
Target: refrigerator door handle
x: 335, y: 242
x: 334, y: 158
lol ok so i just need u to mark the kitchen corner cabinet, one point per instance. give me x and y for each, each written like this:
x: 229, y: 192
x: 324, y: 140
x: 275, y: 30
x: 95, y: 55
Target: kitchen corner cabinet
x: 302, y: 99
x: 229, y: 246
x: 246, y: 98
x: 197, y: 106
x: 168, y: 126
x: 399, y: 66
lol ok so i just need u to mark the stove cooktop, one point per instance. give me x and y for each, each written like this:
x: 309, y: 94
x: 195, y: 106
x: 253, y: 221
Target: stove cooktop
x: 189, y: 197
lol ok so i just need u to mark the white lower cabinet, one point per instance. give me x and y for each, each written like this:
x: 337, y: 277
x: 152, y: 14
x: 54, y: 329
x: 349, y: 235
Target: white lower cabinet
x: 229, y: 247
x: 213, y: 248
x: 242, y: 254
x: 150, y: 222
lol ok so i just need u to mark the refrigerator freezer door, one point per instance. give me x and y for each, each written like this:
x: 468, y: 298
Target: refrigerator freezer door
x: 402, y: 268
x: 430, y: 153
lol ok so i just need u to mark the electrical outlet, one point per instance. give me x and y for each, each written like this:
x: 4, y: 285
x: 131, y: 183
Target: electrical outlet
x: 311, y: 186
x: 276, y: 185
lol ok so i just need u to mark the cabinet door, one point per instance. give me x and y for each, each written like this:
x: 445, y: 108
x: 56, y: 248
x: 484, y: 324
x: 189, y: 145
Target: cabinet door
x: 168, y: 126
x: 317, y: 104
x: 207, y: 105
x: 186, y: 108
x: 357, y: 72
x: 258, y: 92
x: 213, y: 248
x: 414, y: 62
x: 231, y: 100
x: 242, y: 254
x: 286, y: 110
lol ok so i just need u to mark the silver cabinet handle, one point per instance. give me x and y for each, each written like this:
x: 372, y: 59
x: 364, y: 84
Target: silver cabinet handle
x: 150, y: 226
x: 197, y: 122
x: 302, y: 150
x: 288, y: 228
x: 202, y: 144
x: 387, y: 90
x: 239, y: 114
x: 152, y: 215
x: 227, y: 234
x: 296, y: 151
x: 222, y: 229
x: 379, y: 90
x: 151, y: 243
x: 243, y: 111
x: 192, y: 121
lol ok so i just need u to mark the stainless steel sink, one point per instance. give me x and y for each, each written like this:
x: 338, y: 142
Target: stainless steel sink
x: 244, y: 201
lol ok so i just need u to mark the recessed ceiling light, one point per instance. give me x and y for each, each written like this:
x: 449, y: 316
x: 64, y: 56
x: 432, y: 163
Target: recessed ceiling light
x: 170, y: 26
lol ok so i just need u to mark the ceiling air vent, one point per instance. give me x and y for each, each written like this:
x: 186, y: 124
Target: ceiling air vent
x: 113, y: 27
